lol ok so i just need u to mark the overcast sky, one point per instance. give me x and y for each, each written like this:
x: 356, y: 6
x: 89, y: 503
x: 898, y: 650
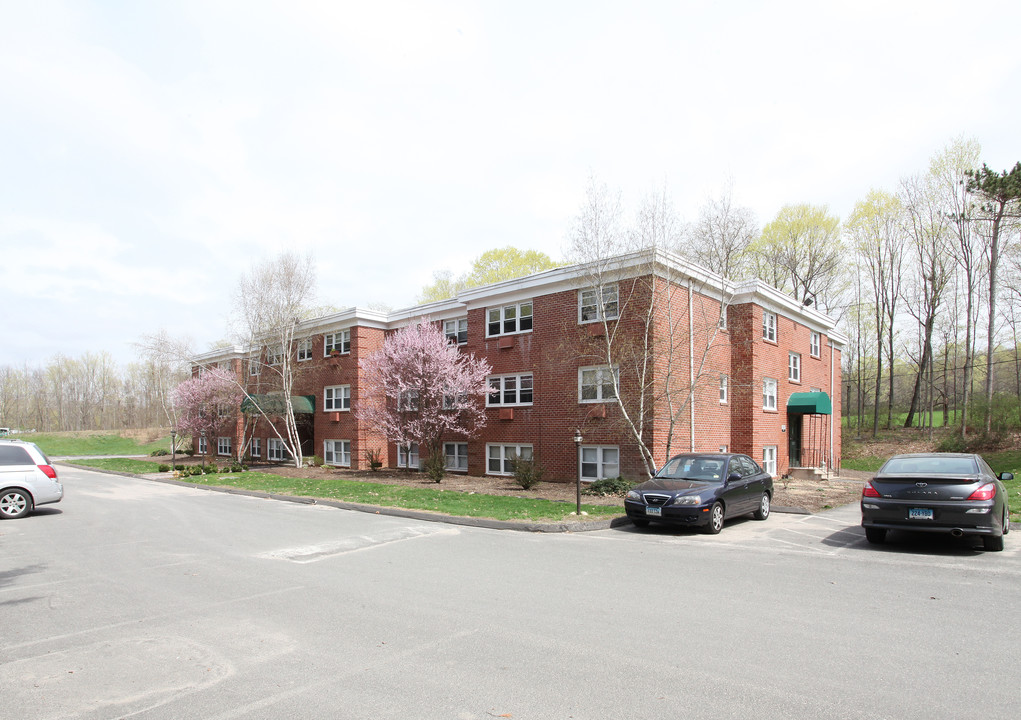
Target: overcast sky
x: 151, y: 151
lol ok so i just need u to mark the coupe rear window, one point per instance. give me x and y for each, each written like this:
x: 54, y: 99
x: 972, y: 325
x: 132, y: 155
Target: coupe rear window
x: 12, y: 455
x: 930, y: 466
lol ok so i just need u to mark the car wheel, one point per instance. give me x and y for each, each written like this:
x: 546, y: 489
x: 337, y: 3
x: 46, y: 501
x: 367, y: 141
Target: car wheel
x: 876, y: 536
x: 763, y: 512
x: 639, y: 523
x: 992, y: 543
x: 715, y: 519
x: 15, y: 503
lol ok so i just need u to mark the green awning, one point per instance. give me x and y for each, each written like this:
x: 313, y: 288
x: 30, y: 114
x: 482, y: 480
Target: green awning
x: 810, y: 403
x: 273, y: 404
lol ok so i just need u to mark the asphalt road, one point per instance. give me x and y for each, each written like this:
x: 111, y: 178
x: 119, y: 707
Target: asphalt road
x: 145, y: 600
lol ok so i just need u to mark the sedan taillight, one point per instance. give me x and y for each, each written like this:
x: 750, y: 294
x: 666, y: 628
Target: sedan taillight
x: 870, y: 491
x: 986, y: 492
x: 49, y: 471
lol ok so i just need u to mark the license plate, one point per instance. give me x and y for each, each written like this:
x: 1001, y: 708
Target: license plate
x: 919, y: 514
x: 658, y: 512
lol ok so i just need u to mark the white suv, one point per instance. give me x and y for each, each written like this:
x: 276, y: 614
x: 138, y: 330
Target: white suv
x: 27, y: 479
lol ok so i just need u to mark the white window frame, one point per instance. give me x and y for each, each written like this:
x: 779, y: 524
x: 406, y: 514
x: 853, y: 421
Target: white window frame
x: 769, y: 326
x: 456, y: 456
x: 276, y: 450
x: 599, y: 461
x: 337, y: 453
x: 522, y: 386
x: 599, y: 383
x: 407, y: 401
x: 815, y: 345
x: 337, y: 398
x: 499, y: 316
x: 597, y: 304
x: 724, y: 389
x: 405, y: 460
x: 340, y: 340
x: 274, y: 355
x: 794, y: 367
x: 203, y: 446
x: 456, y: 330
x: 224, y: 446
x: 769, y: 394
x: 503, y: 455
x: 255, y: 448
x: 254, y: 367
x: 304, y: 349
x: 769, y: 459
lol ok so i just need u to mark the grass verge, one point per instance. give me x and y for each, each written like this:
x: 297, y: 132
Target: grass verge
x: 84, y: 444
x: 447, y: 502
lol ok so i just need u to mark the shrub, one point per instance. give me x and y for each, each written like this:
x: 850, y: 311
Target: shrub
x: 235, y: 467
x: 163, y: 468
x: 435, y: 465
x: 375, y: 459
x: 314, y: 461
x: 609, y: 487
x: 190, y: 452
x: 527, y: 473
x: 159, y: 453
x: 210, y: 469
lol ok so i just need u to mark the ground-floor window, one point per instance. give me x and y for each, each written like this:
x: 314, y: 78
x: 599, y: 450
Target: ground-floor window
x: 337, y: 452
x: 500, y: 458
x: 255, y: 450
x: 223, y: 445
x: 275, y: 449
x: 407, y: 456
x: 203, y: 448
x: 769, y: 459
x: 456, y: 455
x: 599, y: 462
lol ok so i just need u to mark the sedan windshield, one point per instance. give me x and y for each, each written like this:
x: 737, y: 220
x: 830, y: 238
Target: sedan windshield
x: 930, y: 466
x: 693, y: 468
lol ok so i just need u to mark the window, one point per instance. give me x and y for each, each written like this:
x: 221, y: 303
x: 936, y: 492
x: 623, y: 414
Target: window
x: 339, y: 341
x: 768, y: 326
x: 509, y: 319
x: 599, y: 463
x: 500, y: 458
x: 768, y: 394
x: 815, y: 345
x: 337, y: 452
x: 407, y: 401
x: 407, y: 456
x: 510, y: 390
x: 222, y: 411
x: 724, y: 380
x: 275, y: 449
x: 305, y: 349
x: 337, y: 398
x: 596, y: 384
x: 203, y: 448
x: 794, y: 367
x: 456, y: 331
x: 255, y: 450
x: 594, y: 305
x: 223, y: 446
x: 769, y: 459
x: 254, y: 366
x: 459, y: 401
x: 274, y: 355
x: 456, y: 455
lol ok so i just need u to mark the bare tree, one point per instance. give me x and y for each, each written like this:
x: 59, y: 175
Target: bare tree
x: 271, y: 301
x: 721, y: 236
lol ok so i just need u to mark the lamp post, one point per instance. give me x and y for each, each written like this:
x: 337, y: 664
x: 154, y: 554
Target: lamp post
x: 577, y: 477
x: 173, y: 451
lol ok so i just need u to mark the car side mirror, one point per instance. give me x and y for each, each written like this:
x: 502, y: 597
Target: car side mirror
x: 733, y: 477
x: 1006, y: 476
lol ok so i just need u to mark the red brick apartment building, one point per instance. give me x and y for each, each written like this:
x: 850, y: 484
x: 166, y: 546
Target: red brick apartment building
x: 701, y: 364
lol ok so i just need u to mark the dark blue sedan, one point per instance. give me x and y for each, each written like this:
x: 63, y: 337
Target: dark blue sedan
x: 701, y: 490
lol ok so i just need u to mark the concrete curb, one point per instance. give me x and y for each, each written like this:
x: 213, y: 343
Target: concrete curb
x: 564, y: 526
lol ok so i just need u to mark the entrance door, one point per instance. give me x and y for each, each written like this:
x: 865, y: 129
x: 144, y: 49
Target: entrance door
x: 794, y: 440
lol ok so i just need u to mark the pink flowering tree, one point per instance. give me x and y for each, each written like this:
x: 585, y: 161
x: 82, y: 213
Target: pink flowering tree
x: 208, y: 402
x: 418, y: 388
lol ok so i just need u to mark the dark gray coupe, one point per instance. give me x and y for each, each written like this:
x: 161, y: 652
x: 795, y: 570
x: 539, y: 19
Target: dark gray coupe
x: 951, y: 493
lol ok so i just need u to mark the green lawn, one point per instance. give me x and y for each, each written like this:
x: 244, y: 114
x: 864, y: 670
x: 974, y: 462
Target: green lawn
x: 129, y: 465
x: 85, y: 444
